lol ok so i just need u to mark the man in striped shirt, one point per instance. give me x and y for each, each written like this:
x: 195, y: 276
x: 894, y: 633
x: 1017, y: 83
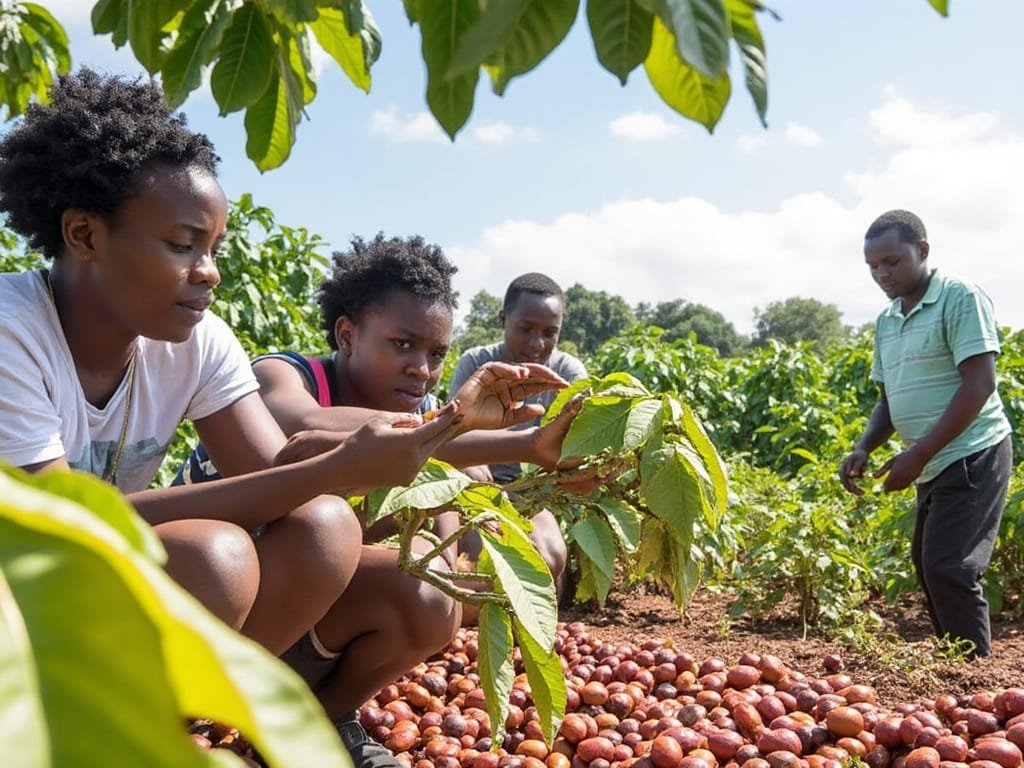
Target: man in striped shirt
x: 934, y: 361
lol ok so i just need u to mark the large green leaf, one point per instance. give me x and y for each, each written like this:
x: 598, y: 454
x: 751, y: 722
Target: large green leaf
x: 450, y: 97
x: 600, y: 424
x: 645, y: 418
x: 594, y: 537
x: 21, y: 707
x: 293, y: 12
x: 700, y: 29
x: 245, y: 61
x: 148, y: 28
x: 525, y: 579
x: 51, y: 35
x: 270, y: 126
x: 345, y: 47
x: 671, y: 488
x: 683, y: 573
x: 684, y: 88
x: 198, y: 38
x: 564, y: 396
x: 123, y: 654
x: 710, y: 461
x: 547, y: 681
x: 111, y: 17
x: 751, y: 44
x: 621, y: 31
x: 435, y: 485
x: 495, y: 665
x: 513, y: 37
x: 623, y: 520
x: 103, y: 499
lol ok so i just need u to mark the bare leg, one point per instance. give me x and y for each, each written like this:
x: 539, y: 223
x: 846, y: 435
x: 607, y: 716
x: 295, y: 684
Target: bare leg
x: 307, y: 559
x: 384, y: 624
x: 216, y: 562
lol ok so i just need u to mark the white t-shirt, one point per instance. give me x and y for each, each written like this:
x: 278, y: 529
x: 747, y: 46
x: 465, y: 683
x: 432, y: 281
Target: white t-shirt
x: 44, y: 414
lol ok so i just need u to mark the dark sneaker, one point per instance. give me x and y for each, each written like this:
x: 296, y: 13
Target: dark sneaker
x: 366, y: 753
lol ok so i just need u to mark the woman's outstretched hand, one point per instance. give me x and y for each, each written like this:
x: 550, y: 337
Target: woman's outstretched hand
x: 388, y: 449
x: 492, y: 398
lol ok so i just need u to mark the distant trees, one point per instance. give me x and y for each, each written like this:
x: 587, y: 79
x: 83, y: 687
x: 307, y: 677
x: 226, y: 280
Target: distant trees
x: 798, y: 319
x: 594, y: 317
x: 680, y: 318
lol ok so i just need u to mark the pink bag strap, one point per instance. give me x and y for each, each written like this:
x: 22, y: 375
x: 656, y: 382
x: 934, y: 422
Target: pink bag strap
x: 323, y: 387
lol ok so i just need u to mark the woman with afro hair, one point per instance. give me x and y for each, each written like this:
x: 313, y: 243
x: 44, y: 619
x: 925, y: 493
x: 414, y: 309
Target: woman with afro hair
x: 104, y: 353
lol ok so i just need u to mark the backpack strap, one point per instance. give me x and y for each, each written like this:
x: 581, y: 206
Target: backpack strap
x: 323, y: 386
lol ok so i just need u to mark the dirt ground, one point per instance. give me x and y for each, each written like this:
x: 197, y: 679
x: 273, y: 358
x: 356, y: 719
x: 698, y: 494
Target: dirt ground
x: 900, y: 659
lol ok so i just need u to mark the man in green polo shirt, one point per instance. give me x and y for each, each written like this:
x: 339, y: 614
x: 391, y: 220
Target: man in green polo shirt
x: 935, y: 349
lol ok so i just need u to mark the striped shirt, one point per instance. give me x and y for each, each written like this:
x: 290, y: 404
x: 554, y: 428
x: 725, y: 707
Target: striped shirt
x: 916, y: 359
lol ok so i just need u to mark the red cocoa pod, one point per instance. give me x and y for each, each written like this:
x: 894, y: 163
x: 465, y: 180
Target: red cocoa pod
x: 594, y: 694
x: 688, y: 738
x: 927, y: 719
x: 696, y: 761
x: 782, y: 759
x: 1009, y: 703
x: 746, y: 752
x: 1015, y: 733
x: 533, y: 748
x: 832, y: 752
x: 951, y: 748
x: 724, y: 744
x: 844, y: 721
x: 858, y: 693
x: 416, y: 695
x: 742, y: 676
x: 852, y: 745
x: 779, y: 740
x: 983, y: 700
x: 923, y: 757
x: 878, y: 757
x: 755, y: 762
x: 1001, y: 751
x: 983, y: 764
x: 573, y: 728
x: 910, y: 729
x: 595, y: 747
x: 666, y: 752
x: 748, y: 720
x: 487, y: 760
x: 401, y: 740
x: 980, y: 721
x: 772, y: 668
x: 771, y: 706
x: 927, y: 737
x: 952, y: 764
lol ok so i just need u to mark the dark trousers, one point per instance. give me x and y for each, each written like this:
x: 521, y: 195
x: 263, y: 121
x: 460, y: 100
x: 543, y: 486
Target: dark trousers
x: 958, y: 515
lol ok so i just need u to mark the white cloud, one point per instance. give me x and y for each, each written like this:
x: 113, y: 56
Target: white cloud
x: 803, y: 136
x: 751, y: 142
x: 417, y: 126
x: 643, y: 126
x: 964, y: 185
x: 498, y: 132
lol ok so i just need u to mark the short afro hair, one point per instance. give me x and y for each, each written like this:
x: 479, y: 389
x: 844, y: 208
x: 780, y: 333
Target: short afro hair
x: 908, y: 226
x: 367, y: 274
x: 88, y: 149
x: 531, y: 282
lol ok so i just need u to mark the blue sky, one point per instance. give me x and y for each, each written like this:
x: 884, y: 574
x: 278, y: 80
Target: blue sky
x: 873, y: 105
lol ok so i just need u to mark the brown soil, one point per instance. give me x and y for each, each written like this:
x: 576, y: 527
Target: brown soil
x: 900, y: 659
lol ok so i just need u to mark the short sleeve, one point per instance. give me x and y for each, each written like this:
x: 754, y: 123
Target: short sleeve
x: 970, y: 325
x: 573, y: 370
x: 226, y: 374
x: 30, y: 427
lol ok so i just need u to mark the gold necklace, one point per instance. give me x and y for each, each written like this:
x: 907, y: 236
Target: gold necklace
x: 110, y: 474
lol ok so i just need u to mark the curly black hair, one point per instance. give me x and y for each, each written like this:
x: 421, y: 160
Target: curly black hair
x: 531, y: 282
x: 908, y: 226
x: 369, y: 272
x: 87, y: 149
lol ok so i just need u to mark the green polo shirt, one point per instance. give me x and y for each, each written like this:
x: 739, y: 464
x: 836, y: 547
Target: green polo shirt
x: 916, y: 359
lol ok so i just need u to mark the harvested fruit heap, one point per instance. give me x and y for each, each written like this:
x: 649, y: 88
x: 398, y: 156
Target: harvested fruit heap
x: 654, y: 705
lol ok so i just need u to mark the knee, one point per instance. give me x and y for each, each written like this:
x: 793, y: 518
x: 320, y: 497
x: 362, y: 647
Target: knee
x: 326, y: 538
x: 215, y: 561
